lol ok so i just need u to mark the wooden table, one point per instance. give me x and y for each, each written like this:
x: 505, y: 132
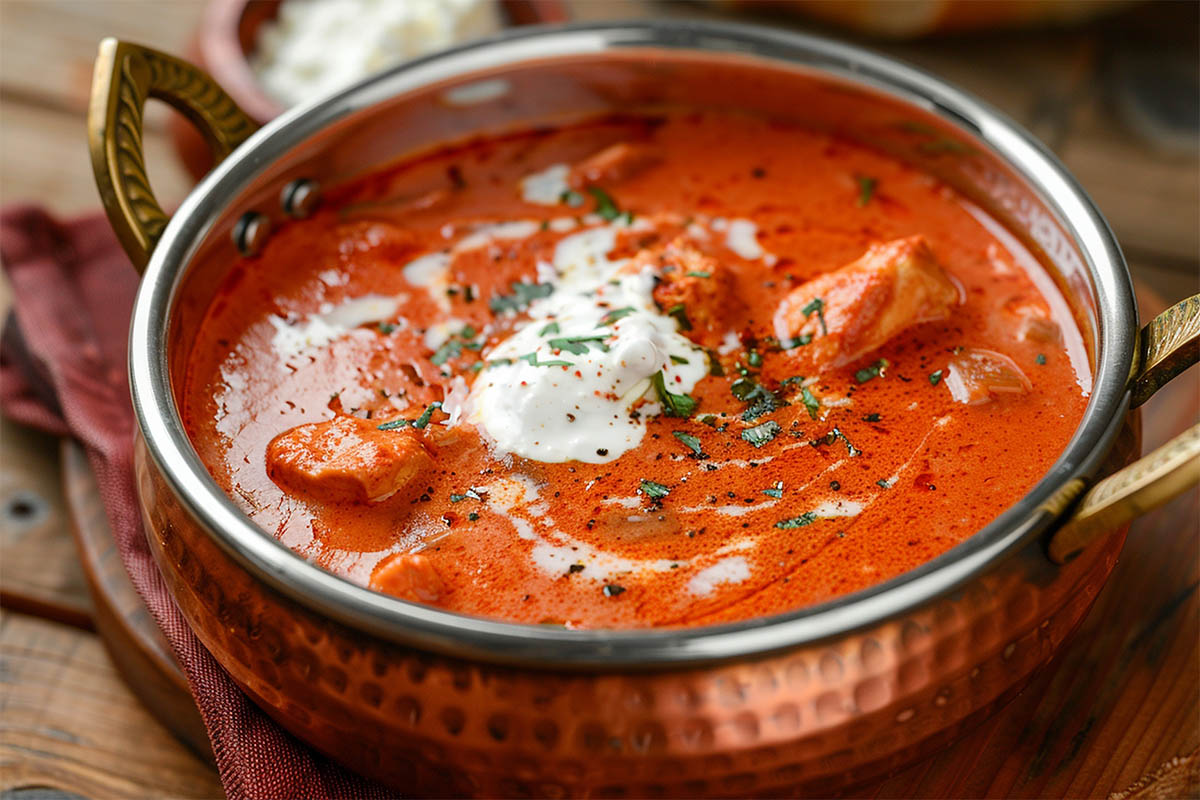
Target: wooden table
x: 1118, y: 715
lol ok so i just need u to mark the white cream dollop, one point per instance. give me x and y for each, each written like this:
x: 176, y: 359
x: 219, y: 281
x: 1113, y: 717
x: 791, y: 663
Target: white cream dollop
x: 540, y: 400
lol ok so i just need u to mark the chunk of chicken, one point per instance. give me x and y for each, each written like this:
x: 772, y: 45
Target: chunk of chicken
x: 409, y: 576
x: 854, y: 310
x: 614, y: 164
x: 976, y: 376
x: 696, y: 289
x: 347, y: 460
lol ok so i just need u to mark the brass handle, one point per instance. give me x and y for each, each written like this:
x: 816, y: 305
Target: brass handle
x: 1166, y: 347
x: 126, y: 75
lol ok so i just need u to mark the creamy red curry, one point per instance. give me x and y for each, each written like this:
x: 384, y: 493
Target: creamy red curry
x: 635, y: 372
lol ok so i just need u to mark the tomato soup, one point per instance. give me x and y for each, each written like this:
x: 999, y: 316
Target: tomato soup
x: 639, y: 371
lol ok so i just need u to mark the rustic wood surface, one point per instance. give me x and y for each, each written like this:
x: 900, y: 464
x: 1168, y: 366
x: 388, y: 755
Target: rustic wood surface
x: 1118, y: 715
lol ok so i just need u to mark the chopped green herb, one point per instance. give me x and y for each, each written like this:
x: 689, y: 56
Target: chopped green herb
x: 451, y: 348
x: 612, y: 589
x: 532, y: 360
x: 816, y: 306
x: 714, y: 365
x: 473, y: 516
x: 676, y: 405
x: 690, y: 442
x: 578, y: 345
x: 394, y: 424
x: 796, y: 341
x: 616, y: 314
x: 1041, y: 358
x: 791, y: 380
x: 478, y: 365
x: 810, y: 402
x: 655, y: 491
x: 708, y: 419
x: 470, y: 494
x: 549, y: 329
x: 678, y: 359
x: 679, y: 312
x: 935, y: 378
x: 775, y: 491
x: 874, y: 371
x: 871, y: 418
x: 832, y: 436
x: 499, y: 362
x: 605, y: 206
x: 760, y: 435
x: 807, y: 518
x: 885, y: 483
x: 523, y: 294
x: 427, y: 415
x: 386, y: 328
x: 571, y: 198
x: 468, y: 332
x: 866, y: 188
x: 754, y: 359
x: 696, y: 273
x: 761, y: 400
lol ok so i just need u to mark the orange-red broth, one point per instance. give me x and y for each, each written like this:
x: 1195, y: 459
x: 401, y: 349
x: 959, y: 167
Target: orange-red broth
x: 929, y: 472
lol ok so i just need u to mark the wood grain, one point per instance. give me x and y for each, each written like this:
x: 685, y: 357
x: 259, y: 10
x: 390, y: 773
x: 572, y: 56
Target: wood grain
x: 69, y: 722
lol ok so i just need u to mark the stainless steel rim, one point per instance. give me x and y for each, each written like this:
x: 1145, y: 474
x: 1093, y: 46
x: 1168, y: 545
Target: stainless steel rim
x: 489, y: 640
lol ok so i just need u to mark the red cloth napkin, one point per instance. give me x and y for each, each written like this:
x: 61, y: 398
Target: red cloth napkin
x: 63, y: 370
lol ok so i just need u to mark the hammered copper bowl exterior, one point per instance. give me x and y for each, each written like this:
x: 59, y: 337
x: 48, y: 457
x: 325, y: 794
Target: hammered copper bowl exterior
x: 811, y: 720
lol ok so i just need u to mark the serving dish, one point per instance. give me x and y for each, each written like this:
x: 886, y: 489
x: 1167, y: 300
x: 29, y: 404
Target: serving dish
x: 808, y: 701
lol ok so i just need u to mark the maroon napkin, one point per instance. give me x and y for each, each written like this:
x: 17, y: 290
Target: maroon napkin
x: 63, y: 370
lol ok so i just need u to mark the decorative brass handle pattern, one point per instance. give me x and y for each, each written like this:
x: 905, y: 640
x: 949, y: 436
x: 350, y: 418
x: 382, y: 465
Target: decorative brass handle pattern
x: 1166, y: 347
x: 126, y: 75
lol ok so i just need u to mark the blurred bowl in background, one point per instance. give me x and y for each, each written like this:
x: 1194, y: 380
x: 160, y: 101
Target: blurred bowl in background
x: 226, y: 40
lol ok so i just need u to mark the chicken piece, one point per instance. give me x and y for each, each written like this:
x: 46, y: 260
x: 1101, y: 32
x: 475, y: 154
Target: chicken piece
x: 613, y: 164
x: 347, y: 460
x: 409, y: 576
x: 697, y: 290
x: 976, y: 376
x: 854, y: 310
x: 1032, y: 321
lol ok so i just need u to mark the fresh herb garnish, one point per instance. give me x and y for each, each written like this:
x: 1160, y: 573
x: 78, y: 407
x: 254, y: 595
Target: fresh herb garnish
x: 523, y: 294
x: 795, y: 341
x: 394, y: 424
x: 871, y: 418
x: 810, y: 402
x: 678, y: 359
x: 653, y: 490
x: 451, y: 348
x: 612, y: 589
x: 427, y: 415
x: 754, y: 359
x: 708, y: 419
x: 874, y: 371
x: 676, y: 405
x: 807, y: 518
x: 469, y: 494
x: 386, y: 328
x: 935, y: 378
x: 775, y: 491
x: 866, y: 188
x: 549, y: 329
x: 616, y: 314
x: 760, y: 435
x: 679, y: 312
x: 571, y: 198
x: 605, y: 206
x: 690, y: 442
x: 885, y: 483
x: 578, y: 345
x: 473, y: 516
x: 832, y: 436
x: 760, y: 399
x: 816, y: 306
x: 1041, y: 358
x: 532, y: 360
x: 697, y: 273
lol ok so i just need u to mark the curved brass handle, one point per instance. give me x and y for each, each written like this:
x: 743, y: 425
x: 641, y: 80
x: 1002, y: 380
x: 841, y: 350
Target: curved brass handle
x: 126, y: 75
x: 1166, y: 347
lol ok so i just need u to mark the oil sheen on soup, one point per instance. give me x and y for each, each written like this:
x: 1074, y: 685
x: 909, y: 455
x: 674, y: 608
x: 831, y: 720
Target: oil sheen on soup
x: 633, y: 372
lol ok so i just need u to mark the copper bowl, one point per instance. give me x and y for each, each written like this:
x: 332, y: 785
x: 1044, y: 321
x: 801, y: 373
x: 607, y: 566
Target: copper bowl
x: 225, y: 39
x: 807, y: 701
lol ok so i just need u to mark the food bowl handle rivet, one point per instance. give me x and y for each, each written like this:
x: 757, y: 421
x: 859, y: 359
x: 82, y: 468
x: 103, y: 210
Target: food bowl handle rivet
x: 300, y: 197
x: 250, y: 233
